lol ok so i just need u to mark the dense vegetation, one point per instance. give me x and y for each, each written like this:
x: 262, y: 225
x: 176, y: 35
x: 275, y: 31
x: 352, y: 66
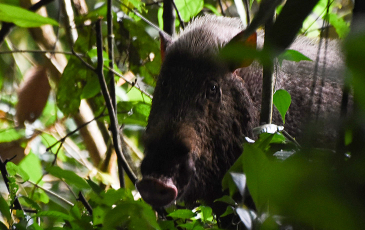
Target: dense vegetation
x: 58, y: 138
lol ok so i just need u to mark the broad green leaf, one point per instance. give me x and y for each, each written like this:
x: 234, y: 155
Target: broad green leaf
x: 255, y: 164
x: 131, y: 215
x: 292, y: 55
x: 75, y: 212
x: 99, y: 214
x: 282, y: 101
x: 342, y: 27
x: 206, y: 213
x: 228, y: 211
x: 226, y: 199
x: 54, y: 214
x: 182, y: 214
x: 4, y: 209
x: 142, y: 50
x: 8, y: 135
x: 189, y: 8
x: 71, y: 86
x: 28, y: 202
x: 132, y: 112
x: 188, y: 225
x: 167, y: 225
x: 22, y: 17
x: 40, y: 196
x: 15, y: 169
x: 32, y: 166
x: 135, y: 95
x: 111, y: 197
x: 212, y: 8
x: 3, y: 226
x: 69, y: 176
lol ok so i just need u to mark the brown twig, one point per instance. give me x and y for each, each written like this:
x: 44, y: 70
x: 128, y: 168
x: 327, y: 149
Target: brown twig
x: 113, y: 119
x: 178, y: 15
x: 111, y: 77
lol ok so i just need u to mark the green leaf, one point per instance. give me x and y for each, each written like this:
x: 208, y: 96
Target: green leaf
x: 292, y: 55
x: 342, y: 27
x: 99, y: 214
x: 142, y: 50
x: 256, y: 165
x: 182, y: 214
x: 26, y: 201
x: 213, y: 9
x: 282, y: 101
x: 32, y: 166
x: 167, y: 225
x: 75, y: 212
x: 22, y: 17
x: 15, y: 169
x: 40, y: 196
x: 8, y: 135
x: 112, y: 197
x: 228, y: 211
x: 69, y: 176
x: 189, y: 8
x: 206, y: 213
x: 4, y: 208
x: 131, y: 215
x: 226, y: 199
x: 3, y: 226
x: 55, y: 214
x: 132, y: 112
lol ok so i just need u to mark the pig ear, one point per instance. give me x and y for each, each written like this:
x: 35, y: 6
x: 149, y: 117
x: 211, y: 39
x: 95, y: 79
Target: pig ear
x: 232, y: 51
x: 166, y: 40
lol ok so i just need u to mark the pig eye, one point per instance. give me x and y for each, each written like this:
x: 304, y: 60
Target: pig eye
x: 213, y: 91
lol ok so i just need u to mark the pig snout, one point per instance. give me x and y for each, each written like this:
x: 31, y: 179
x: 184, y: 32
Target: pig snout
x: 157, y: 192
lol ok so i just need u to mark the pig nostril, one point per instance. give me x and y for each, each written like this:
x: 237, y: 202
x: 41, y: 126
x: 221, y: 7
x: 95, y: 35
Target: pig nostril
x: 156, y: 192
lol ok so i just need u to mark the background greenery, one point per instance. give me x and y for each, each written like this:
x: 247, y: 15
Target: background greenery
x: 46, y: 97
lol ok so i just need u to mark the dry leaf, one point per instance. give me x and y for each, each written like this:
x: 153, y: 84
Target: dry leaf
x: 32, y: 95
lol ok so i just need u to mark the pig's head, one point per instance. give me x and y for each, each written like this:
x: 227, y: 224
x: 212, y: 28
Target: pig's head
x: 201, y: 111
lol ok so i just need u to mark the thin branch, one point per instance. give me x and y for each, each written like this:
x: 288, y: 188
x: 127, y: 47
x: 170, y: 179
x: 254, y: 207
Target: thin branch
x: 111, y: 54
x: 143, y: 18
x: 82, y: 60
x: 129, y: 82
x: 52, y: 193
x: 111, y: 77
x: 86, y: 204
x: 113, y: 119
x: 58, y: 150
x: 221, y: 7
x: 178, y: 15
x: 6, y: 27
x: 40, y: 51
x: 74, y: 131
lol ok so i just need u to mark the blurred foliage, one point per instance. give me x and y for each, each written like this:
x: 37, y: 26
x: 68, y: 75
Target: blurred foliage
x: 294, y: 186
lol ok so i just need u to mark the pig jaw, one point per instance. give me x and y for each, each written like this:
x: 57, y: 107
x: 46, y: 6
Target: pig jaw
x: 157, y: 192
